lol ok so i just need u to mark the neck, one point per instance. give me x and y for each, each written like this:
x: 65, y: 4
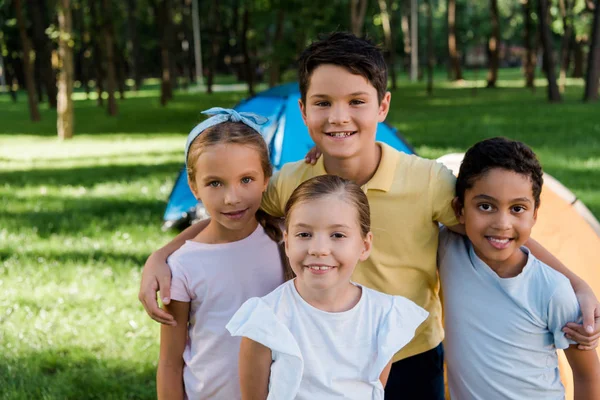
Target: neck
x: 216, y: 233
x: 359, y: 169
x: 333, y: 299
x: 511, y: 267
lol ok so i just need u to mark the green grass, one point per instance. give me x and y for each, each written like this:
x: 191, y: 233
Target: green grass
x: 79, y: 217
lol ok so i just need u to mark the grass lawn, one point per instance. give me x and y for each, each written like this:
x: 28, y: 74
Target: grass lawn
x: 79, y: 218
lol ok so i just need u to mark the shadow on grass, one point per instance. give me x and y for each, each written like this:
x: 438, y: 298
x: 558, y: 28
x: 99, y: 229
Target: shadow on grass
x: 74, y: 373
x: 119, y: 260
x: 137, y: 115
x: 90, y: 176
x: 87, y: 216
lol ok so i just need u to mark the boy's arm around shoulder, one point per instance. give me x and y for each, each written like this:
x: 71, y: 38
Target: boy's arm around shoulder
x: 255, y: 369
x: 588, y: 333
x: 156, y: 275
x: 586, y: 373
x: 169, y: 375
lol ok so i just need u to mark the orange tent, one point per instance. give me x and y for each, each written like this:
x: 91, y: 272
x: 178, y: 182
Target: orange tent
x: 570, y: 232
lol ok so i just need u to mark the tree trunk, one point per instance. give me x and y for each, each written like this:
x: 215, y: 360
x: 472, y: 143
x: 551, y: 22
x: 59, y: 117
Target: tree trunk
x: 275, y: 70
x: 358, y: 9
x: 80, y: 60
x: 133, y: 44
x: 453, y: 52
x: 529, y: 65
x: 430, y: 48
x: 214, y: 46
x: 109, y: 47
x: 120, y: 67
x: 565, y: 7
x: 386, y: 7
x: 578, y: 59
x: 64, y: 121
x: 593, y: 69
x: 405, y: 25
x: 163, y: 18
x: 553, y: 93
x: 34, y: 113
x: 248, y: 67
x: 414, y: 40
x: 494, y: 45
x: 97, y: 45
x: 43, y: 48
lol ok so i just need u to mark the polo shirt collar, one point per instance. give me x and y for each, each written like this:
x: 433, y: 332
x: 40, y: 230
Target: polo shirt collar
x: 384, y: 176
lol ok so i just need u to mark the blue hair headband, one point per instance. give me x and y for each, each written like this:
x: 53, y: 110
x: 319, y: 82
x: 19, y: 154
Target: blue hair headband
x: 220, y: 115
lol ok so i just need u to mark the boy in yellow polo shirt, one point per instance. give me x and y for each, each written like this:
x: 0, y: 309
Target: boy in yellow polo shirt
x: 343, y: 83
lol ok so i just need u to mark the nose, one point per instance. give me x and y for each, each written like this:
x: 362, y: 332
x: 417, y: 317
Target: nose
x: 318, y: 246
x: 502, y: 221
x: 339, y: 114
x: 232, y: 196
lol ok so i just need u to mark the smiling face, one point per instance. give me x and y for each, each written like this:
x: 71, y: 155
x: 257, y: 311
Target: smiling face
x: 324, y: 242
x: 342, y: 111
x: 499, y: 212
x: 230, y: 181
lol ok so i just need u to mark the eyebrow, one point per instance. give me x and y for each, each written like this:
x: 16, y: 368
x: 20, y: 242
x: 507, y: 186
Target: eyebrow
x: 302, y: 225
x: 486, y: 197
x: 214, y: 177
x: 324, y: 96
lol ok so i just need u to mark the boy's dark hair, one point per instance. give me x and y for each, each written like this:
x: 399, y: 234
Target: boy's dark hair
x: 502, y: 153
x: 358, y: 56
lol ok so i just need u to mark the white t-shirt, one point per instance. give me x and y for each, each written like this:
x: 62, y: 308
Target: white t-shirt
x: 322, y: 355
x: 502, y: 333
x: 217, y: 279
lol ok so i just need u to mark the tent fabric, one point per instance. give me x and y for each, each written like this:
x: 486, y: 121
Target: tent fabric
x: 285, y: 134
x: 567, y: 229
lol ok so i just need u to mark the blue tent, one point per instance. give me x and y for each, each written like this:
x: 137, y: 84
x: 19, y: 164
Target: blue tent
x: 286, y: 135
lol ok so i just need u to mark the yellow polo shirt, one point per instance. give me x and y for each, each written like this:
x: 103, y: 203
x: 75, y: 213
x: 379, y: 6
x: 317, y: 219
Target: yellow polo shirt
x: 408, y: 196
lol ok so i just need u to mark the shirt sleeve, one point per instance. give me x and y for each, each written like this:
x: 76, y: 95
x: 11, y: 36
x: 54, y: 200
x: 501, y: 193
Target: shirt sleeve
x: 271, y: 202
x: 179, y: 281
x: 562, y: 308
x: 257, y: 321
x: 442, y: 191
x: 397, y: 329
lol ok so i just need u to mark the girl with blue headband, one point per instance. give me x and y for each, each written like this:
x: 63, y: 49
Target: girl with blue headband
x: 235, y: 258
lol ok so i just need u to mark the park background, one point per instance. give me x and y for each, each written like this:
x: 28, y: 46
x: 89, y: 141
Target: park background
x: 97, y: 97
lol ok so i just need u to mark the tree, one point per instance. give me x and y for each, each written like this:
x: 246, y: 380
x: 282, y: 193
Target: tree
x: 43, y: 48
x: 98, y: 49
x: 566, y: 12
x: 34, y: 113
x: 529, y: 66
x: 405, y: 25
x: 430, y: 47
x: 358, y: 9
x: 414, y: 40
x: 386, y: 7
x: 248, y: 67
x: 494, y: 45
x: 64, y: 122
x: 107, y: 30
x: 275, y: 70
x: 133, y: 43
x: 453, y: 53
x: 214, y: 46
x: 593, y: 68
x: 162, y: 12
x: 553, y: 93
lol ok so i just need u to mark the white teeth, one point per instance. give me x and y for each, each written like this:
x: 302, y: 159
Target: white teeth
x: 317, y: 268
x: 503, y: 241
x: 339, y: 134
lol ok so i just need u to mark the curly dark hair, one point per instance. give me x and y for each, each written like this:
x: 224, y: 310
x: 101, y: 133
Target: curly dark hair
x: 359, y: 56
x: 502, y: 153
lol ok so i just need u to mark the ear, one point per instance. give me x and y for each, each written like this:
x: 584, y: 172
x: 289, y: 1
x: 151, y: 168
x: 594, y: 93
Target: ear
x: 302, y: 110
x: 285, y: 243
x: 368, y: 245
x: 384, y: 107
x: 193, y: 188
x: 535, y: 214
x: 459, y: 210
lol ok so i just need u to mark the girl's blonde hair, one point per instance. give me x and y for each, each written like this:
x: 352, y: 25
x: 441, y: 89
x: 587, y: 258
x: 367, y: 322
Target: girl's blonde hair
x: 326, y: 185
